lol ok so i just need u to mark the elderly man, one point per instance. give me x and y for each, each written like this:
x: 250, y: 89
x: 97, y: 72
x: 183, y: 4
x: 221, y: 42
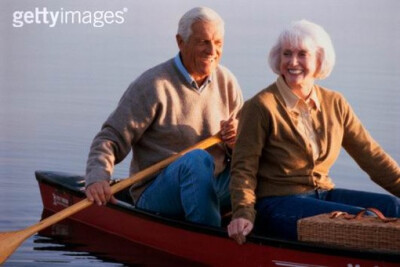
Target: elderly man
x: 168, y: 108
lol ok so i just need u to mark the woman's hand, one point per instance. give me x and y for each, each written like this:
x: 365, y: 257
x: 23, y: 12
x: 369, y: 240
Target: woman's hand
x: 239, y: 228
x: 100, y: 193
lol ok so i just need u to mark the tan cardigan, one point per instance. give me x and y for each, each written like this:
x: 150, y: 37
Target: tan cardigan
x: 160, y: 115
x: 271, y: 158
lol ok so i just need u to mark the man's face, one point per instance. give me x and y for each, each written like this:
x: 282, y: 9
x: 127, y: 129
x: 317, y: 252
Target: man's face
x: 202, y: 52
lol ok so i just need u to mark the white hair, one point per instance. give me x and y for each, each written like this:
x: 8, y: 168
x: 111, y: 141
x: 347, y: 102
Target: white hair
x: 198, y: 14
x: 306, y: 33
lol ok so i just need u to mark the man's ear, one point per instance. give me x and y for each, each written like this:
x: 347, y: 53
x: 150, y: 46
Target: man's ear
x: 179, y: 41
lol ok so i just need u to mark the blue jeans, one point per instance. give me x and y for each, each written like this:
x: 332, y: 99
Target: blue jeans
x: 277, y: 216
x: 188, y: 187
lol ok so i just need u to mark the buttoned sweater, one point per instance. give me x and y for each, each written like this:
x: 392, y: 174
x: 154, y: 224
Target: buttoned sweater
x: 272, y: 158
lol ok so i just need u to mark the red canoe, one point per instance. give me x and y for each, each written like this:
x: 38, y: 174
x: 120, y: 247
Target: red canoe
x: 193, y: 242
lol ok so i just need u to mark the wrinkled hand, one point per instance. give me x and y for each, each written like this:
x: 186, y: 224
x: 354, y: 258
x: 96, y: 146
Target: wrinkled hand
x: 228, y: 131
x: 239, y: 228
x: 100, y: 193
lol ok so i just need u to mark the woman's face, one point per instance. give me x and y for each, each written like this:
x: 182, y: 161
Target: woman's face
x: 298, y: 65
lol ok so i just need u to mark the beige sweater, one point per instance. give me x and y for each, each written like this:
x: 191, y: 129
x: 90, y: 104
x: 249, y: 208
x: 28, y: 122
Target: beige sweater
x: 271, y: 158
x: 160, y: 115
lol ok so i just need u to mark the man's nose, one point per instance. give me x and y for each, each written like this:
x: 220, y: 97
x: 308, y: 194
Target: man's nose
x: 211, y: 48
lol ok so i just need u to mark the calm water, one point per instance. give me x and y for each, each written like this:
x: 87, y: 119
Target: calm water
x: 58, y: 84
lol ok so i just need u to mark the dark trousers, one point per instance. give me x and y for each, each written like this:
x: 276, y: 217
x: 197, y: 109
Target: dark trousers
x: 277, y: 216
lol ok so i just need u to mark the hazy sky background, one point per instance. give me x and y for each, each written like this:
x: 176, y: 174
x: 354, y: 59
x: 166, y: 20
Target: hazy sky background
x: 59, y: 84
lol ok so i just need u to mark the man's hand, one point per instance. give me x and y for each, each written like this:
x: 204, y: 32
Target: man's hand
x: 228, y: 131
x: 239, y: 228
x: 100, y: 193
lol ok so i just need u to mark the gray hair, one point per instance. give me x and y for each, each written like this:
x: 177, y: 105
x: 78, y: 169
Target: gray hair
x: 198, y: 14
x: 305, y: 32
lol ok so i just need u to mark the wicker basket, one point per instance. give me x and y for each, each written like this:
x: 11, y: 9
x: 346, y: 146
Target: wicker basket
x: 359, y: 232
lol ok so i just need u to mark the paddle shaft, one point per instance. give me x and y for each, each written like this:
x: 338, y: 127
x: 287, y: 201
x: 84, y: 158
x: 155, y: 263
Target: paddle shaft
x: 9, y: 241
x: 142, y: 175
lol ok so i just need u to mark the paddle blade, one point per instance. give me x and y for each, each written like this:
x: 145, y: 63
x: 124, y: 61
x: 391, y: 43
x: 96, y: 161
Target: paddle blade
x: 9, y: 242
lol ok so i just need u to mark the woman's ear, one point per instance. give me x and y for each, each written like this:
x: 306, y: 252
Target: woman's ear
x: 318, y: 69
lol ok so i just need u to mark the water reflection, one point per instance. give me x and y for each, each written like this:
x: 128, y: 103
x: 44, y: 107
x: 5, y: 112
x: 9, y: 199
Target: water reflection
x: 83, y: 243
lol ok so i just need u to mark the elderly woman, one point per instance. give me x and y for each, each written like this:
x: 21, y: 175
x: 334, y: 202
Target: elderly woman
x: 289, y: 136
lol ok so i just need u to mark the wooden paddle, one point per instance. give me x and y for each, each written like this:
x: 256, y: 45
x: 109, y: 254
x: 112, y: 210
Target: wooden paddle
x: 10, y: 241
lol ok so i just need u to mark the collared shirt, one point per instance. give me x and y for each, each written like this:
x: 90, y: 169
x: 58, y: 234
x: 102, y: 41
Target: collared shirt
x: 188, y: 77
x: 301, y: 109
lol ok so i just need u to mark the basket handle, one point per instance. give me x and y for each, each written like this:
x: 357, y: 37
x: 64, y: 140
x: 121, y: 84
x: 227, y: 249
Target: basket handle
x: 377, y: 212
x: 336, y: 214
x: 359, y: 215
